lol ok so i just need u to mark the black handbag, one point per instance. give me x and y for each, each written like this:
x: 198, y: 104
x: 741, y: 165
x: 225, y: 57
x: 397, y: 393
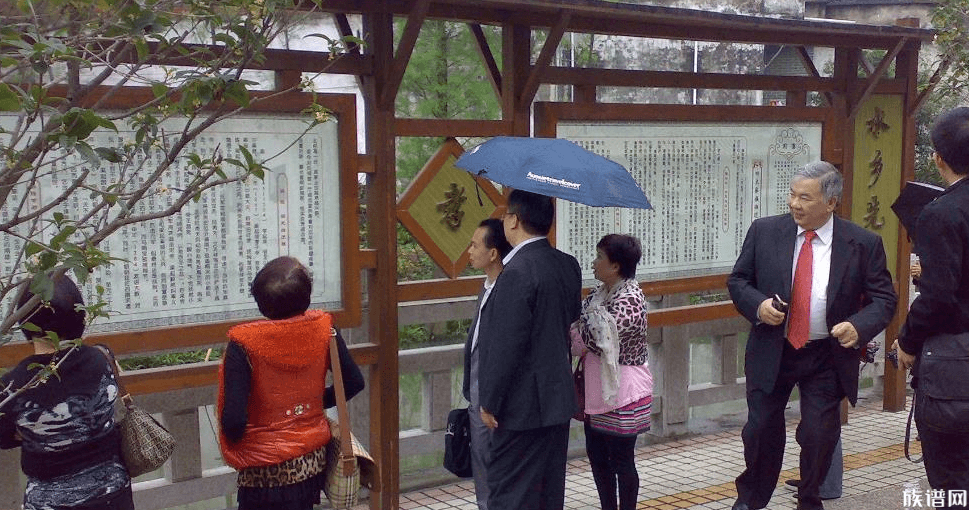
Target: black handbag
x: 457, y: 443
x: 942, y: 396
x: 578, y: 381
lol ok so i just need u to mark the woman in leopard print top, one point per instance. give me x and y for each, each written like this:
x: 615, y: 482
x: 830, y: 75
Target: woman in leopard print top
x: 610, y: 335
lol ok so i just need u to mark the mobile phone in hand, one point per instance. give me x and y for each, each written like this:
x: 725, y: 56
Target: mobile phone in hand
x: 893, y: 357
x: 779, y: 304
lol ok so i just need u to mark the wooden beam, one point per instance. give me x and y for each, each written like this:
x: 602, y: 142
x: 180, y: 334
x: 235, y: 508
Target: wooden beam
x: 653, y: 21
x: 275, y: 59
x: 384, y: 382
x: 677, y: 79
x: 469, y: 285
x: 895, y: 383
x: 516, y: 64
x: 796, y: 98
x: 487, y: 57
x: 365, y: 164
x: 368, y: 259
x: 678, y: 315
x: 285, y: 80
x: 683, y: 285
x: 544, y: 59
x: 933, y: 81
x: 452, y: 127
x: 404, y: 50
x: 875, y: 76
x: 584, y: 93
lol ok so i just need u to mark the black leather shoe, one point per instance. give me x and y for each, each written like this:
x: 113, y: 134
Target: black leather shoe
x: 740, y: 505
x: 822, y: 497
x: 792, y: 483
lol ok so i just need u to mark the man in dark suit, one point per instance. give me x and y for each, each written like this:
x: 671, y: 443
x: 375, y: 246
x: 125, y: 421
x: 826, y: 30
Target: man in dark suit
x: 942, y: 242
x: 525, y: 377
x: 488, y: 248
x: 832, y: 273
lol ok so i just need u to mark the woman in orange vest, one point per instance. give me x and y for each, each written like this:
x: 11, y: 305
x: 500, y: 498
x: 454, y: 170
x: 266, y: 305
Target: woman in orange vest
x: 272, y: 392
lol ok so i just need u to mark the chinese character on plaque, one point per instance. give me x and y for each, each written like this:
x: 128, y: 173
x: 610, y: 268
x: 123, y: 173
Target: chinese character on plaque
x: 444, y: 205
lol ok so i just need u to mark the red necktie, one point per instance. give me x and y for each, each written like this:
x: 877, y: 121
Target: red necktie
x: 799, y: 322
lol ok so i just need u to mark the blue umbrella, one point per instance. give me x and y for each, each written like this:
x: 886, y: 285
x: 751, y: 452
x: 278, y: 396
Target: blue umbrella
x: 557, y: 168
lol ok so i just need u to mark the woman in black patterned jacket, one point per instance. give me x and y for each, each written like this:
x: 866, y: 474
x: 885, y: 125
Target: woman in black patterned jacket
x: 70, y: 449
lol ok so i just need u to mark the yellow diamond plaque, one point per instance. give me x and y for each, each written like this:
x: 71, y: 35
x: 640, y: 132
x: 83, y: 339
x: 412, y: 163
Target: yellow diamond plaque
x: 440, y: 208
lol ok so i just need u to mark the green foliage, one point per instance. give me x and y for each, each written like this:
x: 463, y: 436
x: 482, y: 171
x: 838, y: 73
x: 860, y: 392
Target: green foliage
x: 951, y: 20
x: 427, y: 335
x: 413, y: 263
x: 170, y: 359
x: 61, y: 61
x: 73, y: 172
x: 936, y: 104
x: 445, y: 79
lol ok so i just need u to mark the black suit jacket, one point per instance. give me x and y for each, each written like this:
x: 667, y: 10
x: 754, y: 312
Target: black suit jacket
x: 859, y: 291
x: 525, y: 373
x: 943, y: 248
x: 466, y: 386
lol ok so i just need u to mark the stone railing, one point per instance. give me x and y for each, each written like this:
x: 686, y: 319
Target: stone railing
x: 195, y: 474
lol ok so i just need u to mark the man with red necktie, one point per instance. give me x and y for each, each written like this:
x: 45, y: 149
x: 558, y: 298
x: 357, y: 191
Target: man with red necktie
x: 831, y: 275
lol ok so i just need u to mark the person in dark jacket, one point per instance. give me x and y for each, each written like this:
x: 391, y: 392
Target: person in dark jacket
x: 832, y: 274
x: 70, y: 447
x: 488, y: 248
x: 942, y: 305
x: 525, y: 371
x: 272, y: 392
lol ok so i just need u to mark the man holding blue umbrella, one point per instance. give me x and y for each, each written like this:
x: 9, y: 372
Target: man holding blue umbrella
x: 525, y: 374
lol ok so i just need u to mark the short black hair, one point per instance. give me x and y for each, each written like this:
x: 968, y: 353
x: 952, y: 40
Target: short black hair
x: 60, y: 315
x: 495, y: 236
x: 282, y: 288
x: 624, y: 250
x: 950, y: 138
x: 535, y: 211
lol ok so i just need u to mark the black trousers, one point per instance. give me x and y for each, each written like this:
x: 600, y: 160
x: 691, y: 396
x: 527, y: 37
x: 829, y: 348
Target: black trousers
x: 946, y: 462
x: 613, y: 462
x: 527, y: 468
x: 811, y: 368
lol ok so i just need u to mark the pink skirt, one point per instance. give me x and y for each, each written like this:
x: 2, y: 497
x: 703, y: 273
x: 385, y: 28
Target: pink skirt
x: 628, y: 420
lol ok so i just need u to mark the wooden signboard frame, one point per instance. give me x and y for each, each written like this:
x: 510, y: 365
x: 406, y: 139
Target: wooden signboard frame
x: 343, y: 108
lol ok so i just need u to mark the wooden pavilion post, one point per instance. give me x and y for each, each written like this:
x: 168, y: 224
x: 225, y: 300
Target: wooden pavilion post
x: 906, y: 67
x: 382, y: 291
x: 516, y: 60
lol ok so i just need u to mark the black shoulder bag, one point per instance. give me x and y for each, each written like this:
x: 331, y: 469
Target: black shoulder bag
x: 942, y: 396
x: 457, y: 443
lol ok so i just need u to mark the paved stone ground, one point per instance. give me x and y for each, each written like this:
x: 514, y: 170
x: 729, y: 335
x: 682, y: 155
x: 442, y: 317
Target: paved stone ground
x: 697, y: 472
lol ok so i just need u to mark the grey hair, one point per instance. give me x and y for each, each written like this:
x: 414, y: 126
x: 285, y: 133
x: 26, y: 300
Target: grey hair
x: 830, y: 179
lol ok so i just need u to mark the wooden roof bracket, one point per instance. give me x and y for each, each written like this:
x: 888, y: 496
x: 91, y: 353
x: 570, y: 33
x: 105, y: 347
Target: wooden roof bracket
x: 544, y: 58
x: 404, y: 50
x: 487, y: 56
x: 343, y: 25
x: 933, y: 81
x: 809, y: 66
x: 874, y: 77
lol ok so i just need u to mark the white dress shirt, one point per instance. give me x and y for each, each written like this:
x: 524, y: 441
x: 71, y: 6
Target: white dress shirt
x: 515, y: 250
x: 821, y: 245
x: 488, y: 285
